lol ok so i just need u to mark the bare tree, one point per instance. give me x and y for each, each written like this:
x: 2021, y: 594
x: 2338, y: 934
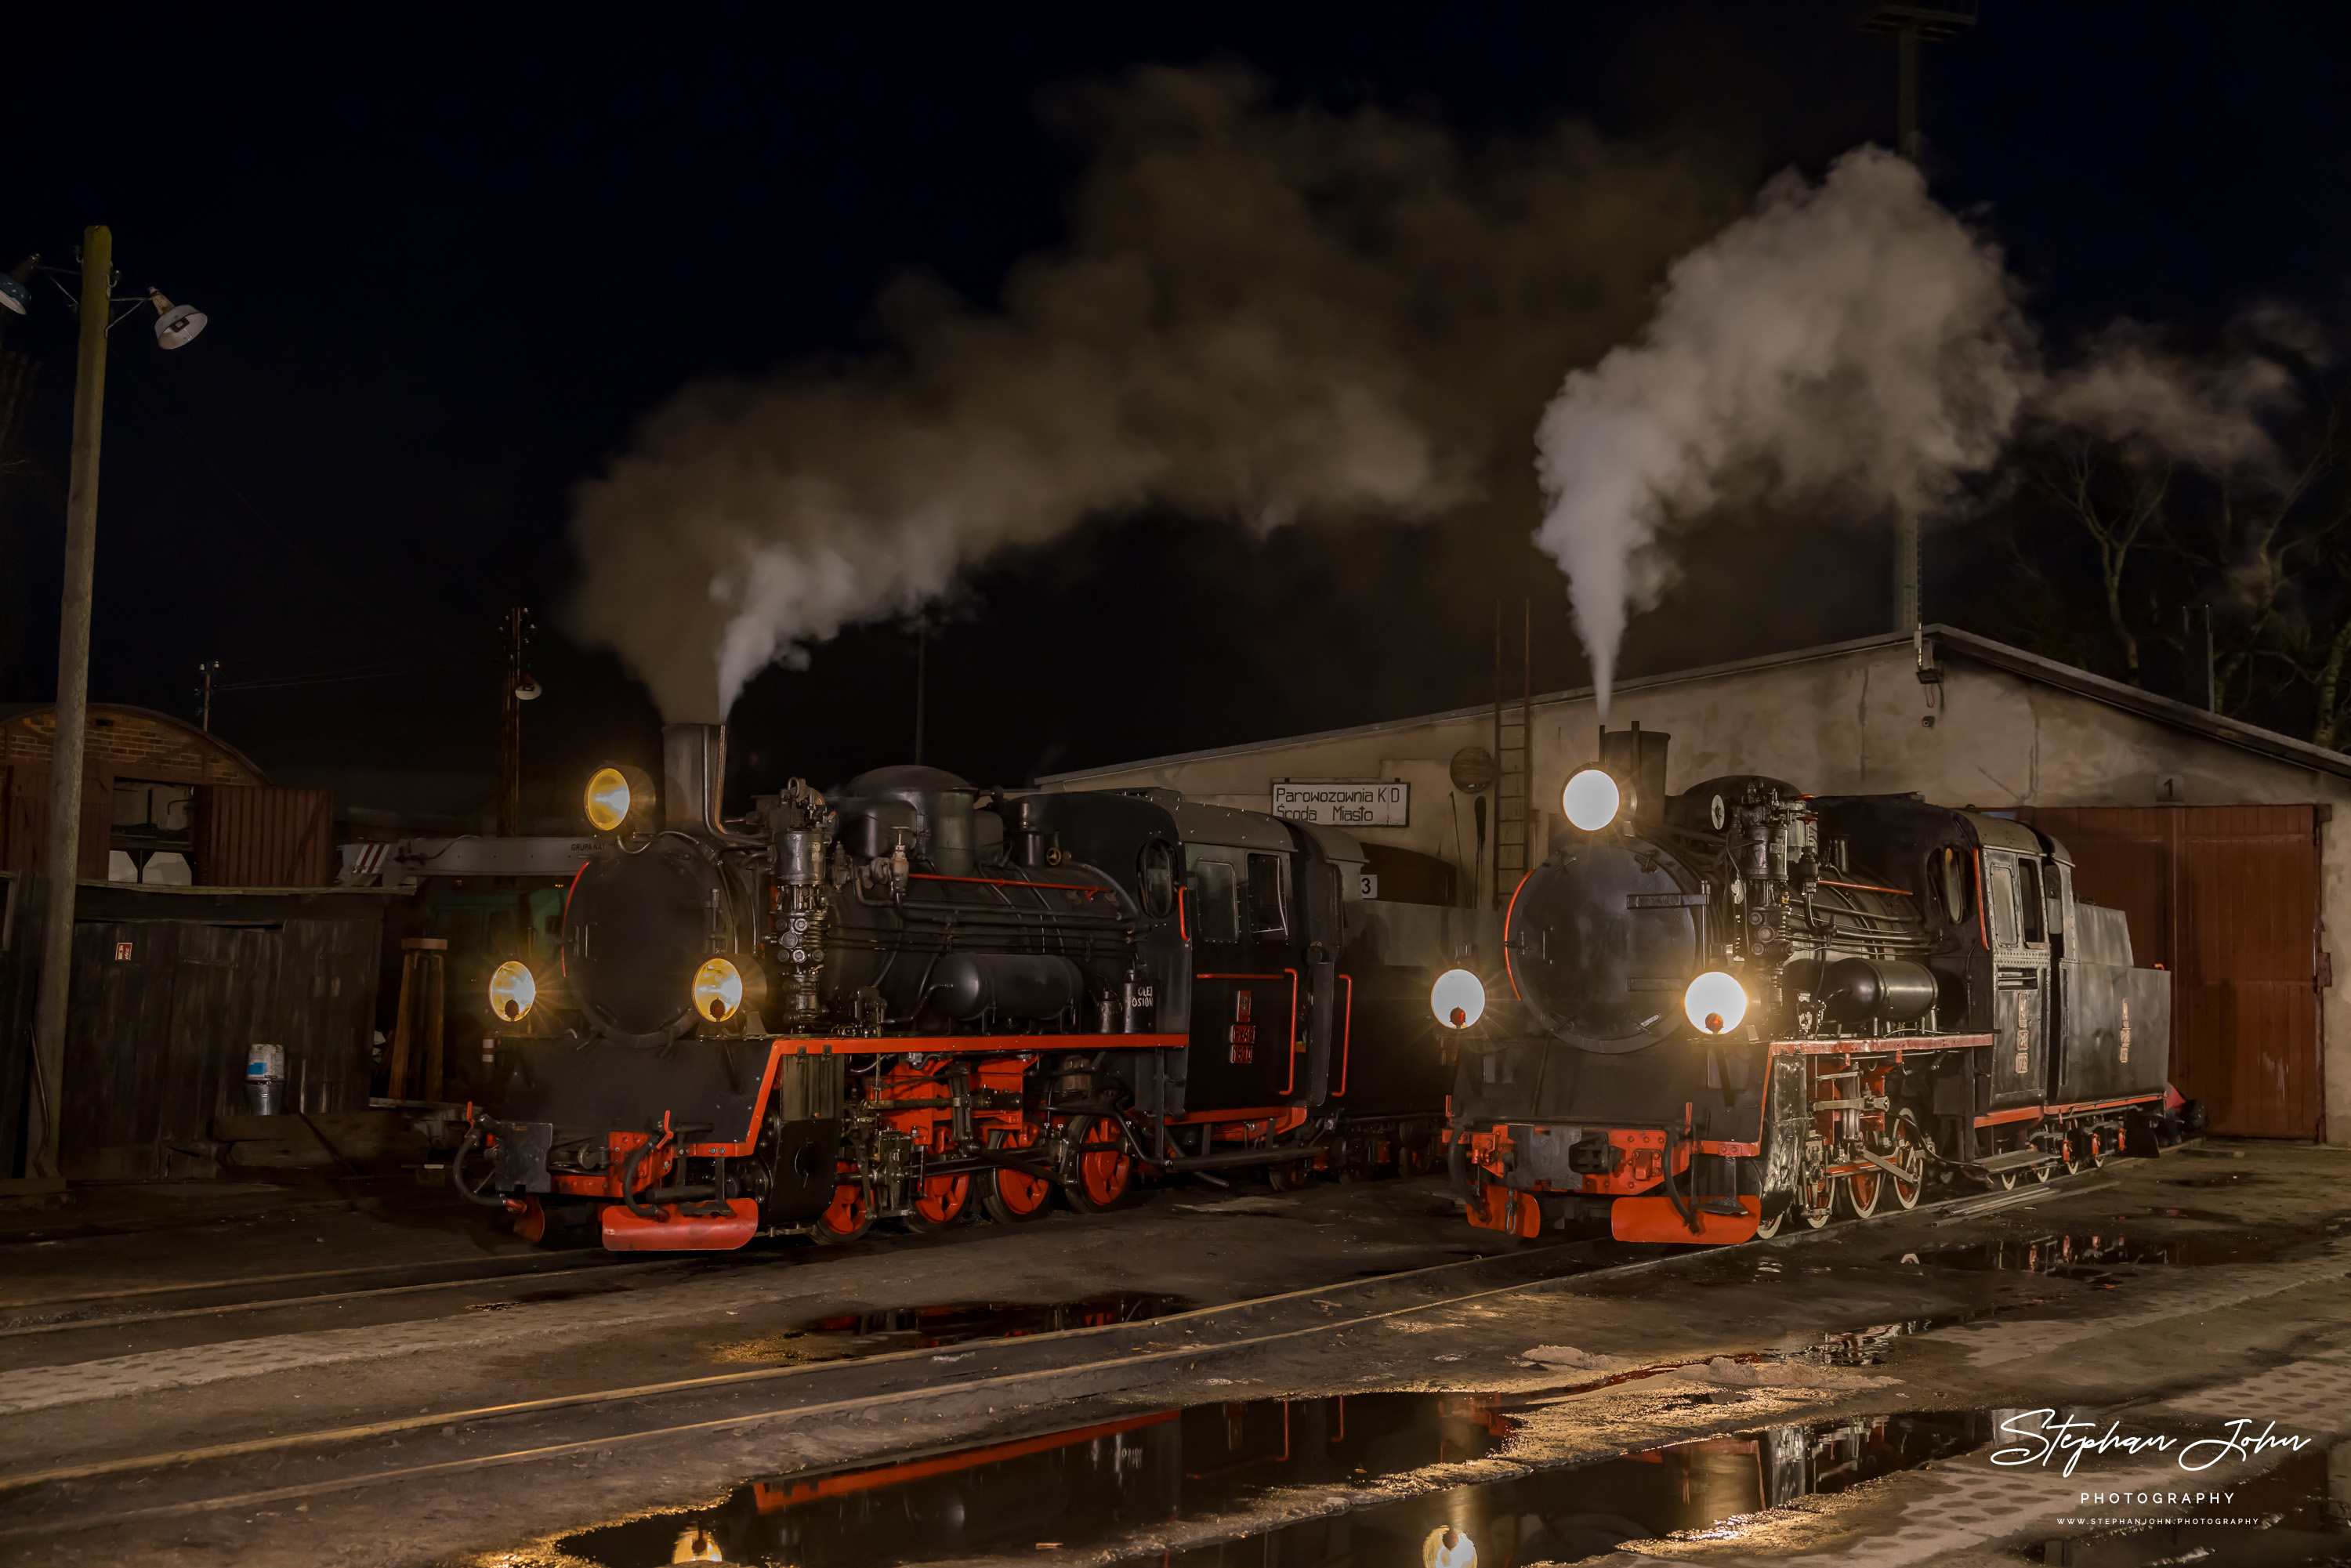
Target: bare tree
x: 2114, y: 501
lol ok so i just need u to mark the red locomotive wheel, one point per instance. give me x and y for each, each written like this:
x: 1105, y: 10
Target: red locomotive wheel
x: 1104, y: 1170
x: 1288, y: 1175
x: 848, y: 1218
x: 1860, y: 1192
x: 942, y: 1200
x: 1910, y: 1153
x: 1414, y: 1160
x: 1010, y: 1197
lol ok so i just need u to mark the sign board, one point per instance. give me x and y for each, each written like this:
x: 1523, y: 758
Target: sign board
x: 1367, y: 884
x: 1345, y: 802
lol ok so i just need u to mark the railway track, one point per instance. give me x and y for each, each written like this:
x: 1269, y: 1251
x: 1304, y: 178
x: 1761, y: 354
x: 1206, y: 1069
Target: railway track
x: 1061, y: 1365
x: 43, y: 1317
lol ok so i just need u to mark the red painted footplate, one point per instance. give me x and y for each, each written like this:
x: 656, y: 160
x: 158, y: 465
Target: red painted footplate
x: 1652, y: 1218
x: 677, y: 1232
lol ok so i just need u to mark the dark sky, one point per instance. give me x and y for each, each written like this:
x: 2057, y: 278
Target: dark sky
x: 450, y: 263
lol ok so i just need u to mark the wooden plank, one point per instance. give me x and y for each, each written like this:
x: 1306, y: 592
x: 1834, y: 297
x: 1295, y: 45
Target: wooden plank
x: 2225, y: 897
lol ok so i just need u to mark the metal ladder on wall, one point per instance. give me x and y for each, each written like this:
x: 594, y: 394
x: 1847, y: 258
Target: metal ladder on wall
x: 1513, y: 762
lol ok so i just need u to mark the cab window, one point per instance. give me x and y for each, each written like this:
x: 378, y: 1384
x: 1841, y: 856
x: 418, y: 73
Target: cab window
x: 1953, y: 869
x: 2000, y: 896
x: 1218, y: 902
x: 2036, y: 918
x: 1269, y: 894
x: 1156, y: 879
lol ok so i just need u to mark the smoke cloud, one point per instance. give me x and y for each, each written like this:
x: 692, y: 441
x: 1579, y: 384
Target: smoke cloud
x: 1850, y: 337
x: 1262, y: 316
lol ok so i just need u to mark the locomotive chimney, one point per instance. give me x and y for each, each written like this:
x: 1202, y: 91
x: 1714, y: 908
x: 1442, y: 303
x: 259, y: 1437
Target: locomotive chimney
x: 693, y: 766
x: 1636, y: 758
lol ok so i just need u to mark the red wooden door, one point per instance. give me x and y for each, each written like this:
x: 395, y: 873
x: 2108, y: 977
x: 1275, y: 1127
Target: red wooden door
x: 2225, y: 897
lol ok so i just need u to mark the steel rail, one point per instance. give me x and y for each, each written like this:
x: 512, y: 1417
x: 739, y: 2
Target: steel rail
x: 360, y: 1433
x: 81, y: 1518
x: 17, y: 1323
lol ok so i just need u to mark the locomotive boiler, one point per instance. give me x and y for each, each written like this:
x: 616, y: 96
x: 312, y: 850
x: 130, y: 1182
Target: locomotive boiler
x: 1742, y: 1008
x: 915, y: 997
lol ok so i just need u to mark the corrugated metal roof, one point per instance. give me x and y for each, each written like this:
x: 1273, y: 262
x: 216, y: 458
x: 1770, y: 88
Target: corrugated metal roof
x: 1947, y: 642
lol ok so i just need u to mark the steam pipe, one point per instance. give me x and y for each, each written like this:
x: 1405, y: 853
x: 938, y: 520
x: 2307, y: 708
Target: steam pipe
x: 693, y: 770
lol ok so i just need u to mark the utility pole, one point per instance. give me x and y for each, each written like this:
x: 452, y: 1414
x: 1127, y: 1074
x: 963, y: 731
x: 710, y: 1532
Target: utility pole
x: 95, y: 311
x: 204, y: 673
x: 922, y: 680
x: 1910, y: 23
x: 517, y: 688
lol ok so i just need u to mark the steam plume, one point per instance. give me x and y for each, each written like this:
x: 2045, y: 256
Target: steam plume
x: 1262, y: 316
x: 1851, y: 336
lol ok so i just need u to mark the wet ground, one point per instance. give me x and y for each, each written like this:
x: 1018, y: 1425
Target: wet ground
x: 1342, y: 1375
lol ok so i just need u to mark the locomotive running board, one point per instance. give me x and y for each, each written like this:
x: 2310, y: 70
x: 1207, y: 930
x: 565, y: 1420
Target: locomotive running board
x: 1653, y: 1217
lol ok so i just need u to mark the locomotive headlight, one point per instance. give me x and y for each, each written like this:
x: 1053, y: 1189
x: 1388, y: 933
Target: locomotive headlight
x: 512, y: 991
x: 1458, y: 998
x: 1591, y: 800
x: 1715, y: 1003
x: 717, y: 990
x: 608, y: 799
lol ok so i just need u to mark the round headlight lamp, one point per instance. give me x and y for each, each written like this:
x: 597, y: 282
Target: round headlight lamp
x: 1715, y: 1003
x: 1458, y: 998
x: 608, y: 801
x: 717, y: 990
x: 512, y: 991
x: 1591, y: 800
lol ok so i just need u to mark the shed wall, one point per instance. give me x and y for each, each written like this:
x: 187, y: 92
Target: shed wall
x: 1850, y: 720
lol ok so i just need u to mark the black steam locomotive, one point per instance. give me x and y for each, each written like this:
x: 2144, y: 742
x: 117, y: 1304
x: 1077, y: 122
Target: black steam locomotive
x: 1742, y: 1008
x: 918, y: 995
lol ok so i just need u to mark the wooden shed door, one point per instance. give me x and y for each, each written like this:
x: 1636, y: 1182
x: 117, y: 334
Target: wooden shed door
x: 2225, y: 897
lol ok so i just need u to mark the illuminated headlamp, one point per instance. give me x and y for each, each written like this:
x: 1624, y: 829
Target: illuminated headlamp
x: 1715, y: 1003
x: 1591, y: 800
x: 617, y: 795
x: 717, y: 990
x: 512, y: 991
x: 1458, y: 998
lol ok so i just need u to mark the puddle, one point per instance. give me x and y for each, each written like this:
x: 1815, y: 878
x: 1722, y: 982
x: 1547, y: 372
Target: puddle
x: 924, y: 1328
x: 2230, y: 1178
x: 2090, y: 1254
x: 1094, y: 1488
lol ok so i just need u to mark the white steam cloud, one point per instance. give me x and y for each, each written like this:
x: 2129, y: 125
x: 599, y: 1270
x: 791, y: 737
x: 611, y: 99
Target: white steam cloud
x: 1852, y: 341
x: 1852, y: 336
x: 1260, y: 317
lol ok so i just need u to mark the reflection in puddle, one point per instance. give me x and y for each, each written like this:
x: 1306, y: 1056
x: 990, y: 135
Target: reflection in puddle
x: 2090, y: 1253
x: 1113, y: 1487
x: 951, y: 1323
x: 2231, y: 1178
x: 2303, y: 1504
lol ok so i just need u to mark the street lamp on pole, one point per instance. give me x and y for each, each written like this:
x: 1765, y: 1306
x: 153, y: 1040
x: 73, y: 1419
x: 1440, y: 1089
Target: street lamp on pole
x: 175, y: 324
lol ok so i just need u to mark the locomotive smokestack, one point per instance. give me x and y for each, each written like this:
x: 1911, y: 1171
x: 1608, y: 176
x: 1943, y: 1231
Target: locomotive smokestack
x: 693, y: 766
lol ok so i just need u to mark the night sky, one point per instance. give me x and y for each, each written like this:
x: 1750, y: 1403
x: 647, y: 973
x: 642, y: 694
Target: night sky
x: 451, y: 262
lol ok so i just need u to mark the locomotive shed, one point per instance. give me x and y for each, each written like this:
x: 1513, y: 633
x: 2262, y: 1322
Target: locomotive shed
x: 2158, y: 1290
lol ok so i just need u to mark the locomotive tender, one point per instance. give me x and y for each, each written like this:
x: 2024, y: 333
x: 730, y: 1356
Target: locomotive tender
x: 1740, y: 1008
x: 920, y: 995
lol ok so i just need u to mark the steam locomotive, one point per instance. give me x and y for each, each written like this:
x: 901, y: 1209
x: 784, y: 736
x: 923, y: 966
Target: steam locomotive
x: 1742, y: 1008
x: 919, y: 995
